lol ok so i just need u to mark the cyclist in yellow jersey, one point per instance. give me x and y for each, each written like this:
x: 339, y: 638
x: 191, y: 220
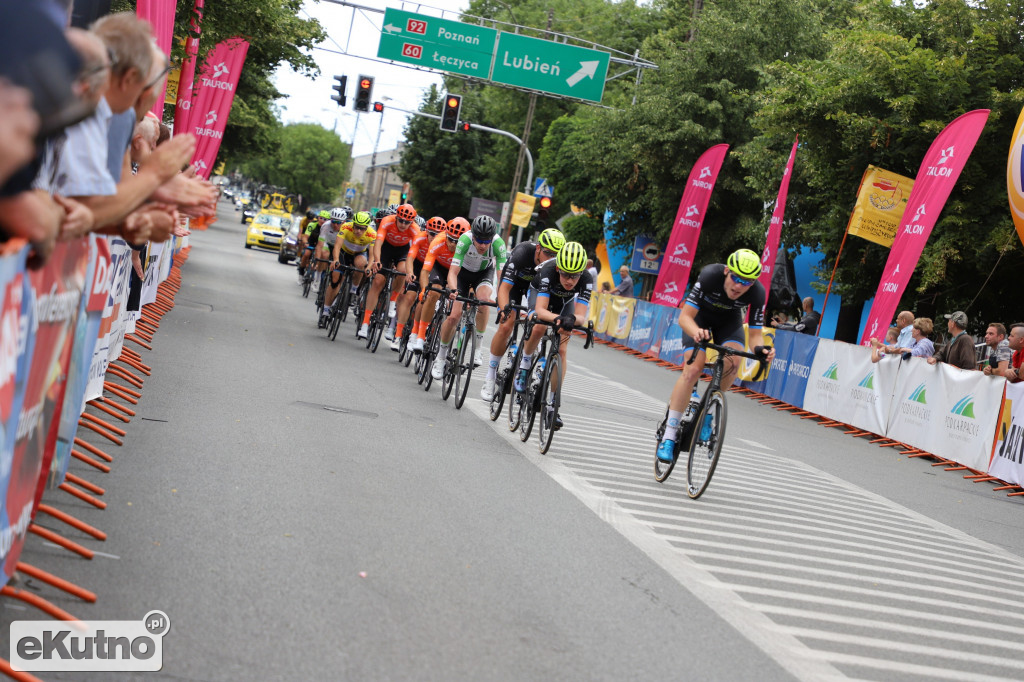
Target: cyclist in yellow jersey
x: 350, y: 248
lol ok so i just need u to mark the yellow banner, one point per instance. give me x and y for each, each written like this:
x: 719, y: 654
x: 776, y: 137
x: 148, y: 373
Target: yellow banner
x: 172, y: 87
x: 750, y: 368
x: 523, y: 209
x: 597, y: 312
x: 881, y: 199
x: 620, y: 316
x: 394, y: 197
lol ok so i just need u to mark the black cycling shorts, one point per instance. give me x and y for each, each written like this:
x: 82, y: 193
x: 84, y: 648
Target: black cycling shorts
x: 346, y: 258
x: 391, y: 255
x: 439, y: 275
x: 468, y: 280
x: 724, y: 328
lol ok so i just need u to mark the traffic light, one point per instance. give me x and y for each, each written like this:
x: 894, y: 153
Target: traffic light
x: 339, y: 90
x: 450, y: 112
x: 378, y: 107
x: 364, y: 88
x: 464, y: 127
x: 544, y: 203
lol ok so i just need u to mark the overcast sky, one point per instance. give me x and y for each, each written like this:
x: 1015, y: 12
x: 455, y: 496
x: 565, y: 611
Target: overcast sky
x: 356, y: 32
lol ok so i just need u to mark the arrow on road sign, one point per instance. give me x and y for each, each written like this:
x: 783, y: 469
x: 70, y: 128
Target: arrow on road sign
x: 391, y: 28
x: 587, y: 70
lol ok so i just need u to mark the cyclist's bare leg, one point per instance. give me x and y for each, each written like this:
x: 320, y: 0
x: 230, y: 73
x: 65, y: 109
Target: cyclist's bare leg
x: 448, y: 328
x: 732, y: 366
x: 686, y: 381
x: 371, y: 297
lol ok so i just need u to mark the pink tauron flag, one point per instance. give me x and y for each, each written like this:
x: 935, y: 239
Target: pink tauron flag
x: 212, y: 105
x: 160, y: 14
x: 186, y: 81
x: 771, y: 242
x: 675, y: 268
x: 938, y: 173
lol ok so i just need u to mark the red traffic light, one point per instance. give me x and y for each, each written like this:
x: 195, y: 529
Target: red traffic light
x: 465, y: 127
x: 378, y: 107
x: 365, y: 83
x: 545, y: 202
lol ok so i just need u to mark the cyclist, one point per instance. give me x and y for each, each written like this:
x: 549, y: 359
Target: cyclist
x: 419, y: 246
x: 435, y: 271
x: 311, y: 237
x: 306, y: 220
x: 354, y: 240
x: 563, y: 289
x: 390, y: 249
x: 478, y: 254
x: 713, y: 309
x: 516, y: 277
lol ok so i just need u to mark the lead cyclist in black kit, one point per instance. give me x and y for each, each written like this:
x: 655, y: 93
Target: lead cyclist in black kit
x: 714, y: 310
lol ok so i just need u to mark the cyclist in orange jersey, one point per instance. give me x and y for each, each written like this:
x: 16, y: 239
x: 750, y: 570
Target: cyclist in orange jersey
x: 390, y: 250
x: 435, y: 271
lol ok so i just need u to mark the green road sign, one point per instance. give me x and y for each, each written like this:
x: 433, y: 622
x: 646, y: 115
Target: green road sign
x: 550, y: 67
x: 437, y: 43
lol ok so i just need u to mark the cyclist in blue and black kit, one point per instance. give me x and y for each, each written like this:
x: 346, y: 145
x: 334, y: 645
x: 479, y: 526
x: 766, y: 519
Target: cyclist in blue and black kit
x: 714, y: 310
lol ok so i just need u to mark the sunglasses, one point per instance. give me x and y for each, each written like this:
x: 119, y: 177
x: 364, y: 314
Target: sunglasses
x: 549, y: 254
x: 570, y: 276
x: 359, y: 227
x: 403, y: 220
x: 483, y: 242
x: 739, y: 280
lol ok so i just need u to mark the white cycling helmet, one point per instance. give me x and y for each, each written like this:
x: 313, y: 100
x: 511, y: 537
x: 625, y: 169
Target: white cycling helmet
x: 339, y: 215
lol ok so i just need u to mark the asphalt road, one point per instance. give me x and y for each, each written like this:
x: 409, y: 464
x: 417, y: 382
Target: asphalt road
x: 391, y: 536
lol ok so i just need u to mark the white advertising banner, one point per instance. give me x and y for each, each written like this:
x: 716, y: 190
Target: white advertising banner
x: 119, y: 299
x: 946, y: 411
x: 120, y: 262
x: 1008, y: 454
x: 846, y: 386
x: 151, y: 268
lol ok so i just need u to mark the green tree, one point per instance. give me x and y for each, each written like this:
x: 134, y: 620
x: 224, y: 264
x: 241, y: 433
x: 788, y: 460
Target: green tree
x: 307, y: 159
x: 887, y: 86
x: 440, y: 166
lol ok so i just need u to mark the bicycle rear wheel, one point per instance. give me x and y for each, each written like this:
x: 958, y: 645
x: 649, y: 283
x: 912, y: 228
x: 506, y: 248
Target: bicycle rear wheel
x: 307, y: 283
x: 450, y: 360
x: 464, y: 370
x: 706, y: 444
x: 550, y: 401
x: 516, y: 399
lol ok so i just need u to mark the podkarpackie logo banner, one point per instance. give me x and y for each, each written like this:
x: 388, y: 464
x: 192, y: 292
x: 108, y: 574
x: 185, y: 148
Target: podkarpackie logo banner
x: 212, y: 105
x: 939, y: 171
x: 678, y: 261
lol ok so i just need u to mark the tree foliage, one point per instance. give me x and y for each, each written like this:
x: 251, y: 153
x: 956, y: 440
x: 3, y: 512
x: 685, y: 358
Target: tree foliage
x: 308, y: 160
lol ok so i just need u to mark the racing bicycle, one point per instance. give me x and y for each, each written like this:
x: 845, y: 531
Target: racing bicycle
x: 459, y: 363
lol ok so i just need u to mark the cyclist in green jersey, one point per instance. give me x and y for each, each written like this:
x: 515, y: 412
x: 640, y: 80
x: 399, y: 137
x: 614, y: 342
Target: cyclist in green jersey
x: 479, y: 253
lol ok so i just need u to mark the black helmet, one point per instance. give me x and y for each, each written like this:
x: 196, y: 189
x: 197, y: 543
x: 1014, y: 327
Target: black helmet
x: 311, y: 214
x: 484, y: 227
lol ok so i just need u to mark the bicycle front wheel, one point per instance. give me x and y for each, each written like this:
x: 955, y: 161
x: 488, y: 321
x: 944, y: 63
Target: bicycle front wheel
x: 550, y: 401
x: 464, y: 370
x: 501, y: 382
x: 307, y: 284
x: 516, y: 399
x: 332, y: 329
x: 706, y: 444
x: 452, y: 357
x: 344, y: 297
x: 379, y: 320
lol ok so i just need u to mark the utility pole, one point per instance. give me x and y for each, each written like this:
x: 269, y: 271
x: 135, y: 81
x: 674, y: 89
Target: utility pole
x: 507, y: 229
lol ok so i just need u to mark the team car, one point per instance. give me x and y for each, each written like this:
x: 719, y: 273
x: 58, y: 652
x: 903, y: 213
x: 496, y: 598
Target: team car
x: 267, y: 229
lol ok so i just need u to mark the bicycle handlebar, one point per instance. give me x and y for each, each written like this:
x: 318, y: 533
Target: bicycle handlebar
x: 477, y: 301
x: 726, y: 351
x: 588, y: 330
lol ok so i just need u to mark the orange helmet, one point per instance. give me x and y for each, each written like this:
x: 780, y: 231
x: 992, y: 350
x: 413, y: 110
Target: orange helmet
x: 435, y: 224
x: 457, y: 227
x: 406, y: 212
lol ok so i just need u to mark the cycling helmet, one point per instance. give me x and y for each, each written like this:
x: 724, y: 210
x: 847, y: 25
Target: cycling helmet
x: 362, y: 219
x: 324, y: 214
x: 457, y: 227
x: 421, y: 222
x: 385, y: 212
x: 310, y: 214
x: 551, y: 239
x: 484, y: 227
x: 339, y: 215
x: 348, y: 209
x: 405, y: 212
x: 435, y: 224
x: 744, y: 263
x: 572, y: 258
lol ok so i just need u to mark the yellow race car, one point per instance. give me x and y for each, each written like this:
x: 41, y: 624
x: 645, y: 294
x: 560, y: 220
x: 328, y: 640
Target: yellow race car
x: 267, y: 229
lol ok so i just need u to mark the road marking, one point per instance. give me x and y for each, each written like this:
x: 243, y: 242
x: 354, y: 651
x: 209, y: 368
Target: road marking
x: 799, y: 561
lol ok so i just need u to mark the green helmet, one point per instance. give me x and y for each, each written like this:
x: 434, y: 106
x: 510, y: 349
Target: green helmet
x: 362, y: 219
x: 325, y: 214
x: 572, y: 258
x: 744, y: 263
x: 551, y: 239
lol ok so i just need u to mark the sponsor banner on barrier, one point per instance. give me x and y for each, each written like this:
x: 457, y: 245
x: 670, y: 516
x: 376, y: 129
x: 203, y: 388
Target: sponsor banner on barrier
x: 86, y: 330
x: 671, y: 349
x: 151, y: 270
x: 1008, y: 453
x: 117, y: 251
x: 664, y: 317
x: 120, y: 289
x: 641, y: 331
x: 599, y: 313
x: 946, y: 411
x: 620, y: 316
x: 791, y: 368
x: 750, y: 369
x: 846, y: 386
x: 56, y: 291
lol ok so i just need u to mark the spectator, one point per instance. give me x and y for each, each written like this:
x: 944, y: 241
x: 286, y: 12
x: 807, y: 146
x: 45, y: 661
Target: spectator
x: 1016, y: 343
x: 905, y: 326
x: 18, y: 126
x: 592, y: 269
x: 879, y: 350
x: 959, y: 352
x: 999, y: 353
x: 606, y: 288
x: 808, y: 324
x: 921, y: 346
x: 780, y: 317
x: 625, y: 287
